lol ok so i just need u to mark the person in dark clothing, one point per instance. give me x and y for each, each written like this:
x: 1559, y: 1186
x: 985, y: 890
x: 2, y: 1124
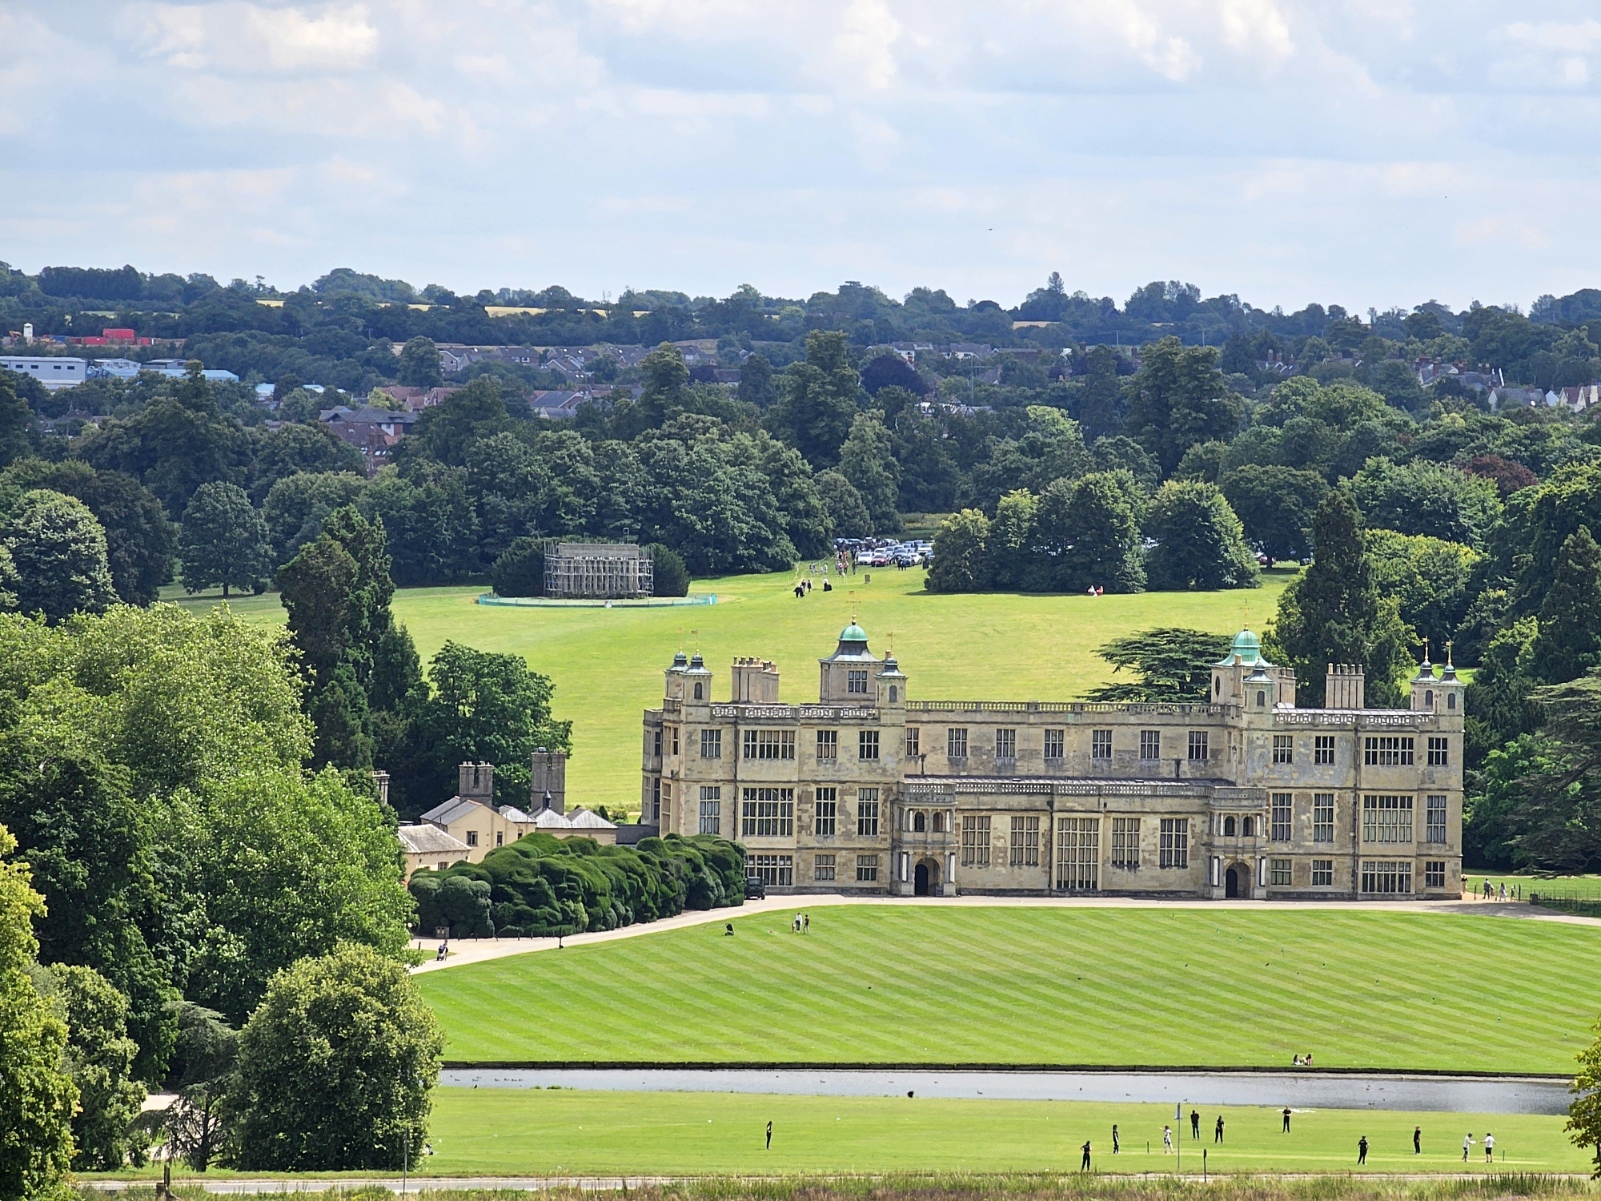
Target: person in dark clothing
x: 1115, y: 1145
x: 1417, y: 1140
x: 1286, y: 1119
x: 769, y: 1136
x: 1084, y: 1166
x: 1362, y: 1150
x: 1217, y: 1131
x: 1195, y: 1123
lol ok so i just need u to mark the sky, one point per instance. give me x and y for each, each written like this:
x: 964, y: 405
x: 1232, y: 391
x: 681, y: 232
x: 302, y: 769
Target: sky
x: 1368, y: 153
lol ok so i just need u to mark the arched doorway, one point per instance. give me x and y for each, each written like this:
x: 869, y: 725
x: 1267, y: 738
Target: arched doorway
x: 1237, y: 881
x: 925, y: 878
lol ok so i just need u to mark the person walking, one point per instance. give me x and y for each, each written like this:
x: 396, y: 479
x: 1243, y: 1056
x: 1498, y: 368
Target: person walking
x: 806, y: 923
x: 1362, y: 1150
x: 1084, y: 1164
x: 1286, y: 1119
x: 1217, y: 1131
x: 769, y: 1135
x: 1116, y: 1147
x: 1417, y: 1140
x: 1195, y: 1123
x: 1489, y: 1147
x: 1467, y: 1142
x: 1167, y: 1140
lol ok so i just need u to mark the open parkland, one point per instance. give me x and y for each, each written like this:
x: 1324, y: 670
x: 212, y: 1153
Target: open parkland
x: 1499, y: 990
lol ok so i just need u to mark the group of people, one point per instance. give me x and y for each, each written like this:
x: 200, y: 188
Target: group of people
x: 1491, y: 893
x: 804, y: 586
x: 1095, y: 590
x: 1304, y: 1061
x: 802, y: 924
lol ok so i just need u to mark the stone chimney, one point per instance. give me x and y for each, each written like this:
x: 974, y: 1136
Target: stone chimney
x: 755, y: 682
x: 1345, y: 687
x: 476, y: 782
x: 380, y: 780
x: 547, y: 776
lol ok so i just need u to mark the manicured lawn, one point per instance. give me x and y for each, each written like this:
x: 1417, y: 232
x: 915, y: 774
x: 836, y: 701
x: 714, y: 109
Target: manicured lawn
x: 534, y: 1131
x: 607, y: 663
x: 1182, y: 987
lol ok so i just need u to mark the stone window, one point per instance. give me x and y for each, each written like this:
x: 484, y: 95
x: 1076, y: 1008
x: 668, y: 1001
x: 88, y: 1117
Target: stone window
x: 827, y: 746
x: 956, y: 743
x: 665, y: 817
x: 1025, y: 842
x: 1006, y: 744
x: 1150, y: 745
x: 1322, y: 817
x: 1174, y: 848
x: 711, y: 744
x: 1101, y: 745
x: 1283, y: 813
x: 1439, y: 752
x: 914, y: 742
x: 975, y: 841
x: 867, y: 869
x: 1387, y: 876
x: 656, y: 799
x: 1434, y: 873
x: 867, y: 745
x: 1198, y: 746
x: 675, y: 739
x: 1284, y: 748
x: 1054, y: 742
x: 1230, y: 826
x: 767, y: 813
x: 822, y: 867
x: 1323, y: 749
x: 1078, y: 853
x: 1126, y: 842
x: 1280, y: 873
x: 1248, y: 826
x: 1387, y: 819
x: 472, y: 838
x: 1387, y: 751
x: 657, y: 751
x: 769, y: 744
x: 867, y: 813
x: 776, y: 870
x: 700, y: 691
x: 711, y: 809
x: 827, y: 812
x: 1322, y: 873
x: 856, y: 682
x: 1434, y: 820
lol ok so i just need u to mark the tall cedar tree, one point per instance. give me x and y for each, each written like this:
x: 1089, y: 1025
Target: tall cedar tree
x: 1569, y: 641
x: 1333, y: 613
x: 1173, y: 665
x: 1557, y: 825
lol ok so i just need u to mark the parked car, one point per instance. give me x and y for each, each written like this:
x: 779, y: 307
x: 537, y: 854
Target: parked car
x: 755, y: 890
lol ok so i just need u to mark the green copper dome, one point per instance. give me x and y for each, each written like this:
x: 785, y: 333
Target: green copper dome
x: 1247, y: 647
x: 853, y: 633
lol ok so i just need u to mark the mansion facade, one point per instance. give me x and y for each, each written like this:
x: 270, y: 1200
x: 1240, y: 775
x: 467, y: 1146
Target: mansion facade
x: 1245, y: 795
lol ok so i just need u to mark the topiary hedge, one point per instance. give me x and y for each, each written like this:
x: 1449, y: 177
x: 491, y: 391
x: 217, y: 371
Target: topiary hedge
x: 542, y: 886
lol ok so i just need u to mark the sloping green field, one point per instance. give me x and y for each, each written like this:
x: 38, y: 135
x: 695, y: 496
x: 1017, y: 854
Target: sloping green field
x: 607, y: 663
x: 926, y: 984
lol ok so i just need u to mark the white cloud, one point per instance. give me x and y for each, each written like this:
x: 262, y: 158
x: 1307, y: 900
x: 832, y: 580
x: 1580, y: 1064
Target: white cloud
x: 1345, y: 150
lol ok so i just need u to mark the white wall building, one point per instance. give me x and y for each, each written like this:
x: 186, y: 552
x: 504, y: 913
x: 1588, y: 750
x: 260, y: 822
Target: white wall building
x: 53, y: 372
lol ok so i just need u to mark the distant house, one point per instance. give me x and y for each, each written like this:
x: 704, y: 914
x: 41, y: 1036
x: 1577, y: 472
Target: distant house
x: 556, y: 405
x: 472, y: 818
x: 426, y: 847
x: 370, y: 430
x: 1582, y: 397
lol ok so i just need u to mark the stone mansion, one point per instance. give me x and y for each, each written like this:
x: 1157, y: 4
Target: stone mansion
x: 870, y: 791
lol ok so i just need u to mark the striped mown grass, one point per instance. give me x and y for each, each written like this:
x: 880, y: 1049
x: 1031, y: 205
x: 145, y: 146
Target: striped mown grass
x: 925, y: 984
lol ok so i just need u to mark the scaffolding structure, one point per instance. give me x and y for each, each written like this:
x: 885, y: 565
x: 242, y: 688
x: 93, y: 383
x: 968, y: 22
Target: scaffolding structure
x: 598, y: 571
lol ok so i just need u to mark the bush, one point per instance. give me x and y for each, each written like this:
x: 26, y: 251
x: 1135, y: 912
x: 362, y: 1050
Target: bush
x: 544, y: 886
x: 667, y: 566
x: 335, y: 1068
x: 520, y: 570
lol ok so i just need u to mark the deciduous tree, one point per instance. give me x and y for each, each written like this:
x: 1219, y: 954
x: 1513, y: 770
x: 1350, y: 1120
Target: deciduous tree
x: 336, y: 1068
x: 59, y: 551
x: 1199, y: 541
x: 224, y: 540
